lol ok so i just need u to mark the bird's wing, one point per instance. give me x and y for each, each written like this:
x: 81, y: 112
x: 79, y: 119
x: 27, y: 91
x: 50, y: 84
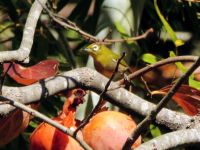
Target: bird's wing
x: 122, y: 62
x: 123, y: 66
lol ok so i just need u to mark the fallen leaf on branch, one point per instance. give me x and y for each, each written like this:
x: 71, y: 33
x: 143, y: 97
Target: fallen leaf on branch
x: 186, y: 97
x: 47, y: 137
x: 32, y: 74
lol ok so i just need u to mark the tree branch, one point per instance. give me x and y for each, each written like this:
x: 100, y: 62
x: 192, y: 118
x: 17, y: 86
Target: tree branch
x: 152, y: 115
x: 92, y: 80
x: 22, y: 53
x: 172, y: 140
x: 47, y: 120
x: 71, y: 25
x: 158, y: 64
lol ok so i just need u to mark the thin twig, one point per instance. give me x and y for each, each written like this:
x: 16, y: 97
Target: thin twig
x: 86, y: 120
x: 92, y: 38
x: 46, y: 119
x: 71, y: 25
x: 67, y: 23
x: 146, y: 85
x: 158, y: 64
x: 152, y: 115
x: 142, y: 36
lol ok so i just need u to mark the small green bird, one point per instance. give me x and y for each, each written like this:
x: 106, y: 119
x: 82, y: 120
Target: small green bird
x: 105, y: 60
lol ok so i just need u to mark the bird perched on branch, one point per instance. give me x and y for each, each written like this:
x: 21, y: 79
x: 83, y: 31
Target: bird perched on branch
x: 105, y: 60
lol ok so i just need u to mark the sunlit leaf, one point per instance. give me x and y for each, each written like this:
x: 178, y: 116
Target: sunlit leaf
x: 180, y: 66
x: 120, y: 28
x: 72, y: 34
x: 155, y: 131
x: 149, y: 58
x: 33, y: 124
x: 193, y: 83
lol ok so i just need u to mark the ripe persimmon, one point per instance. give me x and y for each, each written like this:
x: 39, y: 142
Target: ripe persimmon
x: 47, y: 137
x: 108, y: 130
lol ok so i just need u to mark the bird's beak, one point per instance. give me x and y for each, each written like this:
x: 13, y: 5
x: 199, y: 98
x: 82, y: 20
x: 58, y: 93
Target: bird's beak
x: 86, y: 49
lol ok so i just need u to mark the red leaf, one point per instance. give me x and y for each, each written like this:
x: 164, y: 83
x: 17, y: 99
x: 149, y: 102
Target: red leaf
x: 186, y: 97
x: 29, y: 75
x: 47, y: 137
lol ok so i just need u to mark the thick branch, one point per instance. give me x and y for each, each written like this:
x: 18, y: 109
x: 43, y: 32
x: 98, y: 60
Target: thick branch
x: 28, y: 34
x: 173, y: 140
x: 92, y: 80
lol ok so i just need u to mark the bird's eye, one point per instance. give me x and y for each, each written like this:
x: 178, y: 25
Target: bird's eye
x: 95, y: 47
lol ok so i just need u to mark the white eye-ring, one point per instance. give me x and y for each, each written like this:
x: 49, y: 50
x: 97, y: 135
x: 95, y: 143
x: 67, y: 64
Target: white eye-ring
x: 95, y: 47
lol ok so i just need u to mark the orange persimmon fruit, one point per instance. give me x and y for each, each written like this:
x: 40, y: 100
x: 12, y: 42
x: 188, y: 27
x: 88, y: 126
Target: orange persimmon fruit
x: 47, y: 137
x: 108, y: 130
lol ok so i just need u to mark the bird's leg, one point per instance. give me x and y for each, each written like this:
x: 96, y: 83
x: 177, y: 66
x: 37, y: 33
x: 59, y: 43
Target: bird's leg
x: 127, y: 82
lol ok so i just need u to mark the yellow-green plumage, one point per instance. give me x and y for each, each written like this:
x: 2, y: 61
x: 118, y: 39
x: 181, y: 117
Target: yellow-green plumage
x: 105, y: 60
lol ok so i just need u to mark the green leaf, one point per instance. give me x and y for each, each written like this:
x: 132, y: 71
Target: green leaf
x: 33, y: 124
x: 120, y: 29
x: 123, y: 32
x: 193, y: 83
x: 167, y: 26
x: 155, y: 131
x: 180, y: 66
x: 149, y: 58
x: 72, y: 34
x: 5, y: 24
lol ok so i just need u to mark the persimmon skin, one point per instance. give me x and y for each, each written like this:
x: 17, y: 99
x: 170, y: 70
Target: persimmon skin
x: 47, y: 137
x: 109, y: 130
